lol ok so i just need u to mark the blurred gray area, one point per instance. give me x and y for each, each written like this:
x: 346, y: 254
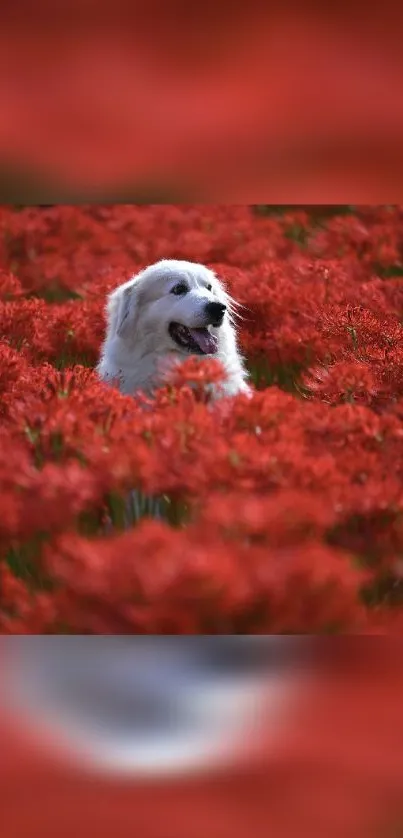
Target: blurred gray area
x: 149, y: 704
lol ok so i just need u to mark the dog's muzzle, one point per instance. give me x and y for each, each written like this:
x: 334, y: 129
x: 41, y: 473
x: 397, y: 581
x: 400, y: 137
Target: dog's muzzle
x: 198, y: 340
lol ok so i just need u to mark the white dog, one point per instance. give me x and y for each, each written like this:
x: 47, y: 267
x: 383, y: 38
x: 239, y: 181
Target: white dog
x: 162, y: 315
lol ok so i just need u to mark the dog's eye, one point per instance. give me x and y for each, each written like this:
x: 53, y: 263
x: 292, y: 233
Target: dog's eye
x: 209, y: 288
x: 180, y: 288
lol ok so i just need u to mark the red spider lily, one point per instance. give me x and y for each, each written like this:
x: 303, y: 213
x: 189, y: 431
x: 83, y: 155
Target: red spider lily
x: 280, y: 520
x: 10, y: 286
x: 200, y: 377
x: 155, y: 580
x: 343, y: 381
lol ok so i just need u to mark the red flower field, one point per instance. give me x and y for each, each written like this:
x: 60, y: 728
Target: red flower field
x: 282, y: 514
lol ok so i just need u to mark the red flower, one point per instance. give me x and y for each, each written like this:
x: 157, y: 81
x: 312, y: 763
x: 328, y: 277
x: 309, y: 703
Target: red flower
x: 343, y: 381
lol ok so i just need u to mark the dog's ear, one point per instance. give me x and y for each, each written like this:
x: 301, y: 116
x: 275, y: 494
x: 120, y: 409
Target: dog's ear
x: 121, y: 309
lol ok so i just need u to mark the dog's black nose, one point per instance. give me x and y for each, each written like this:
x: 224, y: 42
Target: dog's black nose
x: 216, y: 312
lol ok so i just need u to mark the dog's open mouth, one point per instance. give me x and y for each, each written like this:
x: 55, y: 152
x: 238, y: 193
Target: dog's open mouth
x: 199, y: 341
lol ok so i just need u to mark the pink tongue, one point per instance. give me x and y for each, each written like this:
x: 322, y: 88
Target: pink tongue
x: 207, y: 342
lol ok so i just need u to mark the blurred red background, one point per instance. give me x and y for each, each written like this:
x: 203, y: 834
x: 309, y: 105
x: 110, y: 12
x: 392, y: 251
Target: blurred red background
x: 173, y: 101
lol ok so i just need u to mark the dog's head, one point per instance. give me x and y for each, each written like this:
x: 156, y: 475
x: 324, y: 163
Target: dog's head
x: 172, y: 306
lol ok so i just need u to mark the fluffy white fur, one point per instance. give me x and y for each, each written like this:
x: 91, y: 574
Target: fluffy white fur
x: 138, y: 349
